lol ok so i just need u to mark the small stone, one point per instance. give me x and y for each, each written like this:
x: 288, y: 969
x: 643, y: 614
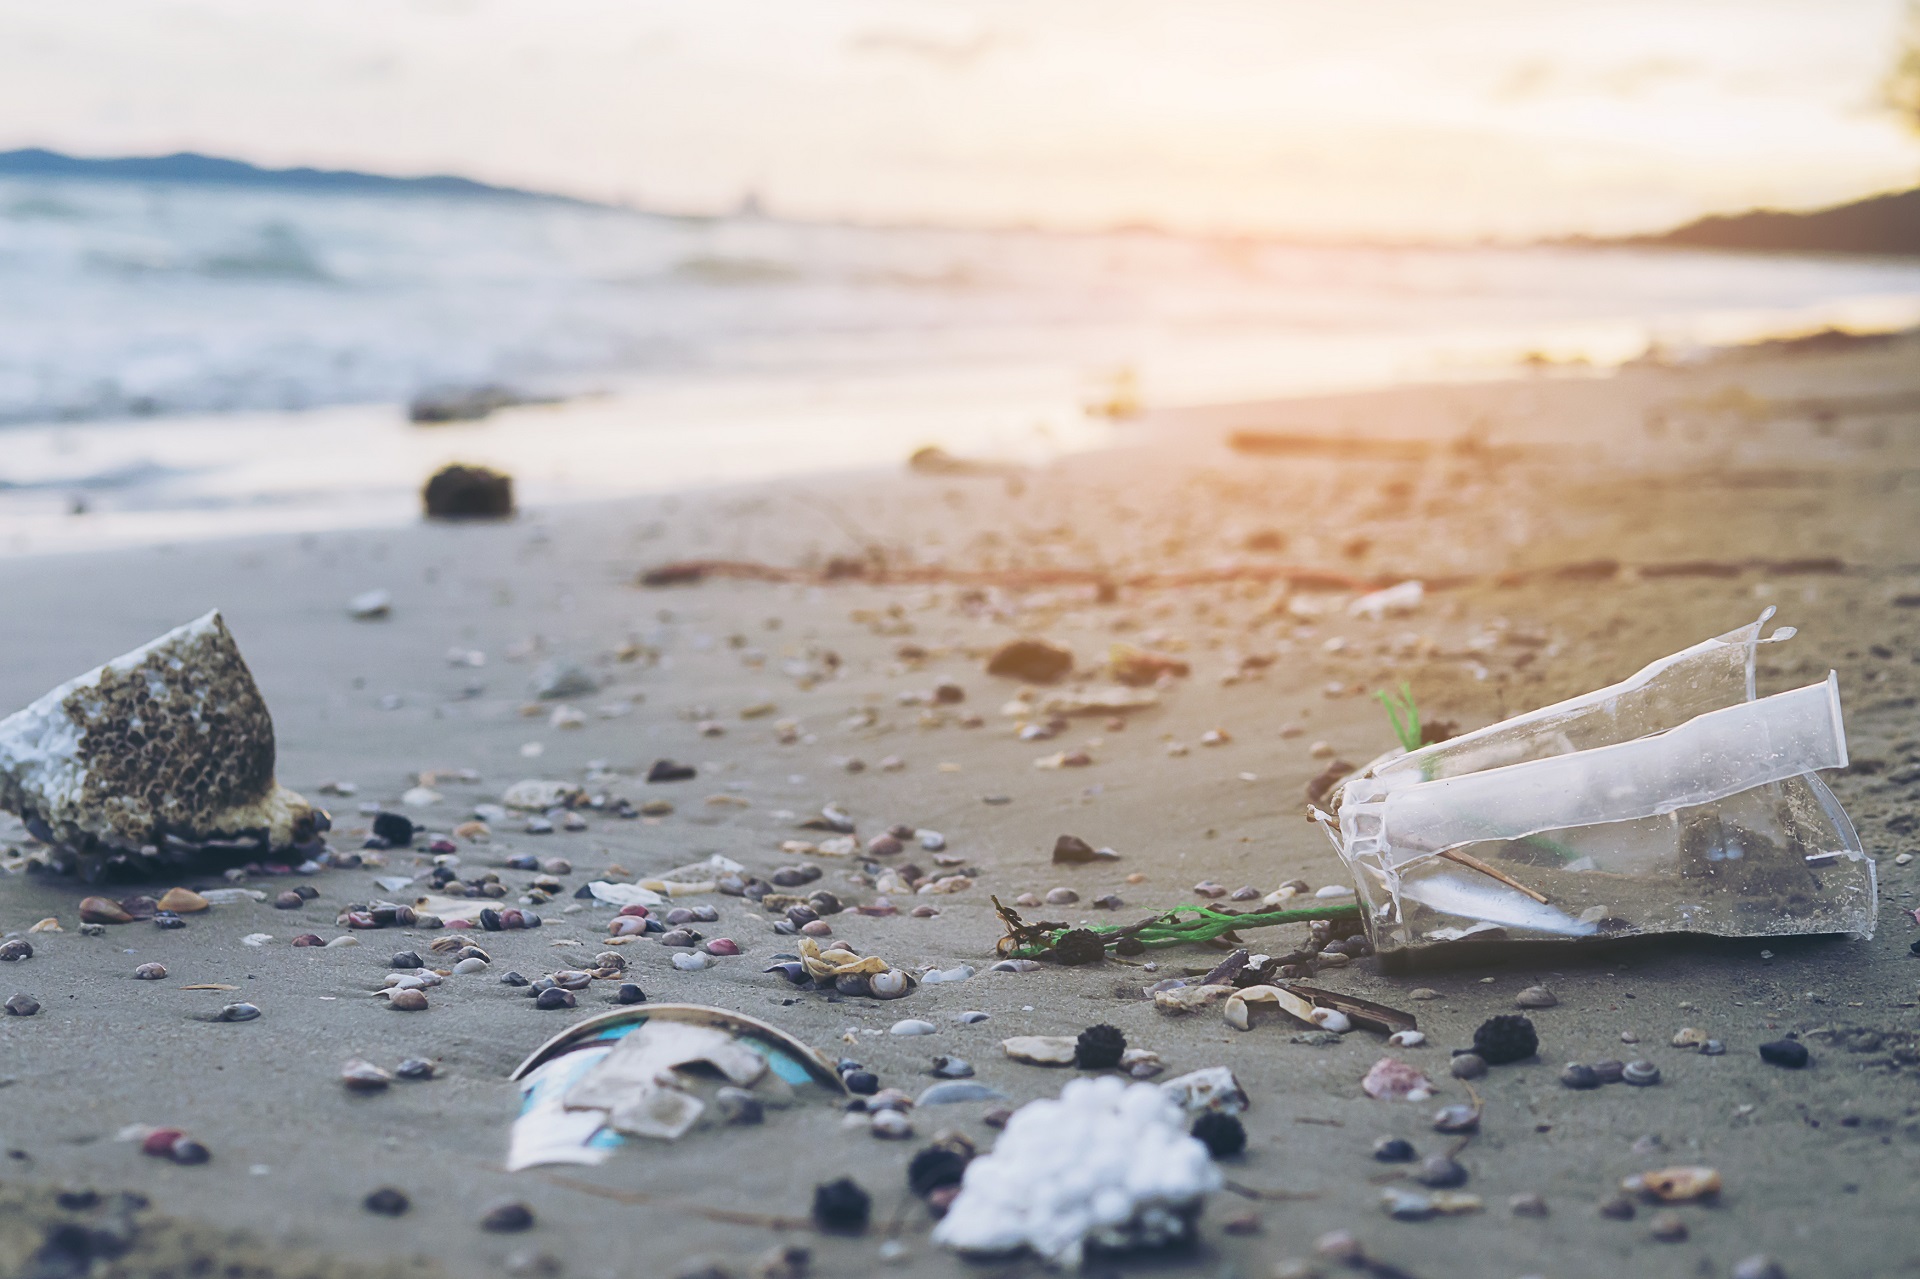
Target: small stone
x: 1617, y: 1208
x: 892, y: 1125
x: 1406, y: 1039
x: 841, y: 1206
x: 1458, y: 1118
x: 861, y: 1083
x: 511, y: 978
x: 911, y: 1026
x: 408, y: 1001
x: 629, y: 994
x: 952, y: 1068
x: 1788, y: 1053
x: 1527, y: 1204
x: 1062, y: 896
x: 1758, y: 1266
x: 405, y: 959
x: 1423, y: 994
x: 554, y: 997
x: 150, y: 972
x: 363, y: 1076
x: 1394, y: 1150
x: 1579, y: 1077
x: 1440, y: 1173
x: 387, y: 1202
x: 416, y: 1069
x: 1667, y: 1227
x: 186, y: 1151
x: 237, y: 1012
x: 22, y: 1005
x: 1468, y: 1066
x: 15, y: 951
x: 507, y: 1217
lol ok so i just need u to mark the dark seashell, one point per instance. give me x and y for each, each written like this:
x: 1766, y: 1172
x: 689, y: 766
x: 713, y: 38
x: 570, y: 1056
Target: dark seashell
x: 800, y: 916
x: 490, y: 920
x: 1394, y: 1150
x: 307, y: 891
x: 1788, y: 1053
x: 572, y: 979
x: 756, y: 889
x: 788, y: 877
x: 523, y: 861
x: 629, y: 994
x: 512, y: 979
x: 395, y: 829
x: 309, y: 939
x: 1641, y: 1074
x: 16, y: 950
x: 405, y: 959
x: 684, y: 937
x: 554, y: 997
x: 665, y: 770
x: 289, y: 900
x: 237, y: 1012
x: 187, y: 1151
x: 416, y: 1068
x: 793, y: 970
x: 704, y: 914
x: 139, y: 907
x: 1579, y: 1077
x: 167, y: 920
x: 731, y: 886
x: 861, y: 1083
x: 22, y: 1005
x: 934, y: 1167
x: 679, y: 915
x: 853, y: 984
x: 824, y: 903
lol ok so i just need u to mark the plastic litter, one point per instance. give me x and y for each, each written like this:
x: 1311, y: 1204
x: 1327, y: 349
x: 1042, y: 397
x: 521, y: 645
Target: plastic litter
x: 641, y: 1071
x: 1109, y: 1165
x: 1673, y: 801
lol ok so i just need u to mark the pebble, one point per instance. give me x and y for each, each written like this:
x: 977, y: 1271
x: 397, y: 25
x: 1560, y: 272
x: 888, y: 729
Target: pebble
x: 629, y: 994
x: 1406, y: 1039
x: 416, y: 1068
x: 1394, y: 1150
x: 554, y: 997
x: 1468, y: 1066
x: 693, y: 961
x: 387, y: 1202
x: 1610, y: 1071
x: 150, y: 972
x: 1758, y: 1266
x: 738, y: 1106
x: 952, y: 1068
x: 22, y: 1005
x: 1667, y: 1227
x: 1440, y: 1173
x: 1527, y: 1204
x: 1576, y: 1076
x: 892, y: 1125
x: 1617, y: 1208
x: 1457, y: 1118
x: 511, y: 978
x: 911, y: 1026
x: 1422, y: 994
x: 1788, y: 1053
x: 407, y: 1001
x: 1535, y: 997
x: 1062, y: 896
x: 861, y: 1083
x: 363, y: 1076
x: 509, y: 1216
x: 237, y: 1012
x: 16, y: 950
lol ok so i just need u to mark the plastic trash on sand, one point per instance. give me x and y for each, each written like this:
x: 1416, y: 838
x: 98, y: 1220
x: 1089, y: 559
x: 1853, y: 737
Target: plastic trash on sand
x: 161, y: 759
x: 653, y: 1071
x: 1673, y: 801
x: 1109, y: 1165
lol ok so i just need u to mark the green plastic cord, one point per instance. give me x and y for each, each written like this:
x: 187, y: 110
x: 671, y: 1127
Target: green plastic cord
x: 1171, y: 929
x: 1407, y: 729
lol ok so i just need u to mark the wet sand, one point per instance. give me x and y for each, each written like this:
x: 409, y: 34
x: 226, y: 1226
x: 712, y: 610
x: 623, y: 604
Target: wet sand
x: 1749, y: 465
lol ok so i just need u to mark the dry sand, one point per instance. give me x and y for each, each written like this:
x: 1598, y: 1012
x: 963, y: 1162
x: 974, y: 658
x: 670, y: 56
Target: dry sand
x: 1811, y: 456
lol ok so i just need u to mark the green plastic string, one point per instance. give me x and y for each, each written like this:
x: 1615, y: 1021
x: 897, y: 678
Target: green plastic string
x: 1181, y: 926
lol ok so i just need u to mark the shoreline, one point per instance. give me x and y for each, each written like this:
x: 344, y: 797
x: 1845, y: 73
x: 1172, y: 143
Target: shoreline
x: 1790, y: 458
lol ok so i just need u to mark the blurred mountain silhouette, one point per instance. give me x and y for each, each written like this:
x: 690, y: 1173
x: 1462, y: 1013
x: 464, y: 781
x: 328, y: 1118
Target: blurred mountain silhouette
x: 1882, y: 224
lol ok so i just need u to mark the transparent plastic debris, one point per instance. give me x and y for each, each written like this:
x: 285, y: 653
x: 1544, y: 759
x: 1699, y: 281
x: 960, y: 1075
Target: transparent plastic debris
x: 653, y: 1071
x: 1675, y: 801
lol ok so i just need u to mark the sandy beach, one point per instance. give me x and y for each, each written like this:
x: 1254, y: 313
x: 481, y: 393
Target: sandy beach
x: 1712, y: 491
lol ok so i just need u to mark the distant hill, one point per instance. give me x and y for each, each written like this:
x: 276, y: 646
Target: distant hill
x: 1885, y: 224
x: 189, y: 168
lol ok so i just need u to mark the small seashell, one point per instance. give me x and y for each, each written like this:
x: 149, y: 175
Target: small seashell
x: 347, y: 940
x: 466, y: 966
x: 102, y: 910
x: 721, y: 946
x: 1609, y: 1071
x: 1459, y: 1118
x: 1535, y: 997
x: 954, y: 1091
x: 693, y: 962
x: 16, y: 950
x: 1440, y: 1172
x: 554, y: 997
x: 970, y: 1017
x: 1677, y: 1185
x: 1391, y: 1080
x: 1713, y: 1048
x: 182, y: 901
x: 407, y: 1001
x: 1042, y: 1050
x: 1062, y: 896
x: 911, y: 1026
x: 1406, y: 1039
x: 237, y: 1012
x: 952, y: 1068
x: 1667, y: 1227
x: 416, y: 1068
x: 1394, y: 1150
x: 891, y: 984
x: 309, y: 939
x: 22, y: 1005
x: 892, y: 1125
x: 1641, y: 1074
x: 151, y: 972
x: 364, y: 1076
x: 1578, y: 1076
x: 1015, y: 966
x: 1332, y: 1020
x: 1689, y: 1037
x: 817, y: 928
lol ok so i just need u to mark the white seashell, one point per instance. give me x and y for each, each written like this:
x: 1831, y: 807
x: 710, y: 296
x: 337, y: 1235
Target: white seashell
x: 892, y: 1124
x: 889, y: 985
x: 256, y: 939
x: 347, y: 939
x: 471, y: 964
x: 1406, y: 1038
x: 911, y: 1026
x: 1332, y: 1019
x: 693, y: 961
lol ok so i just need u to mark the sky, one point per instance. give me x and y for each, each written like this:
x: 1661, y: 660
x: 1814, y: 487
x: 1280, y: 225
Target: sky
x: 1397, y: 119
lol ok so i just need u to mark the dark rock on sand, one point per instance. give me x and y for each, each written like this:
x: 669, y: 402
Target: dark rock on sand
x: 468, y: 493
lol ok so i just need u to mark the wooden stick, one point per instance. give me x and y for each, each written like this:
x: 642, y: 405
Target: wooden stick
x: 1474, y: 863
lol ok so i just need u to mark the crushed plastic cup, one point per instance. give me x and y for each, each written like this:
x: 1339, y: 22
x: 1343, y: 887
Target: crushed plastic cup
x: 1675, y: 801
